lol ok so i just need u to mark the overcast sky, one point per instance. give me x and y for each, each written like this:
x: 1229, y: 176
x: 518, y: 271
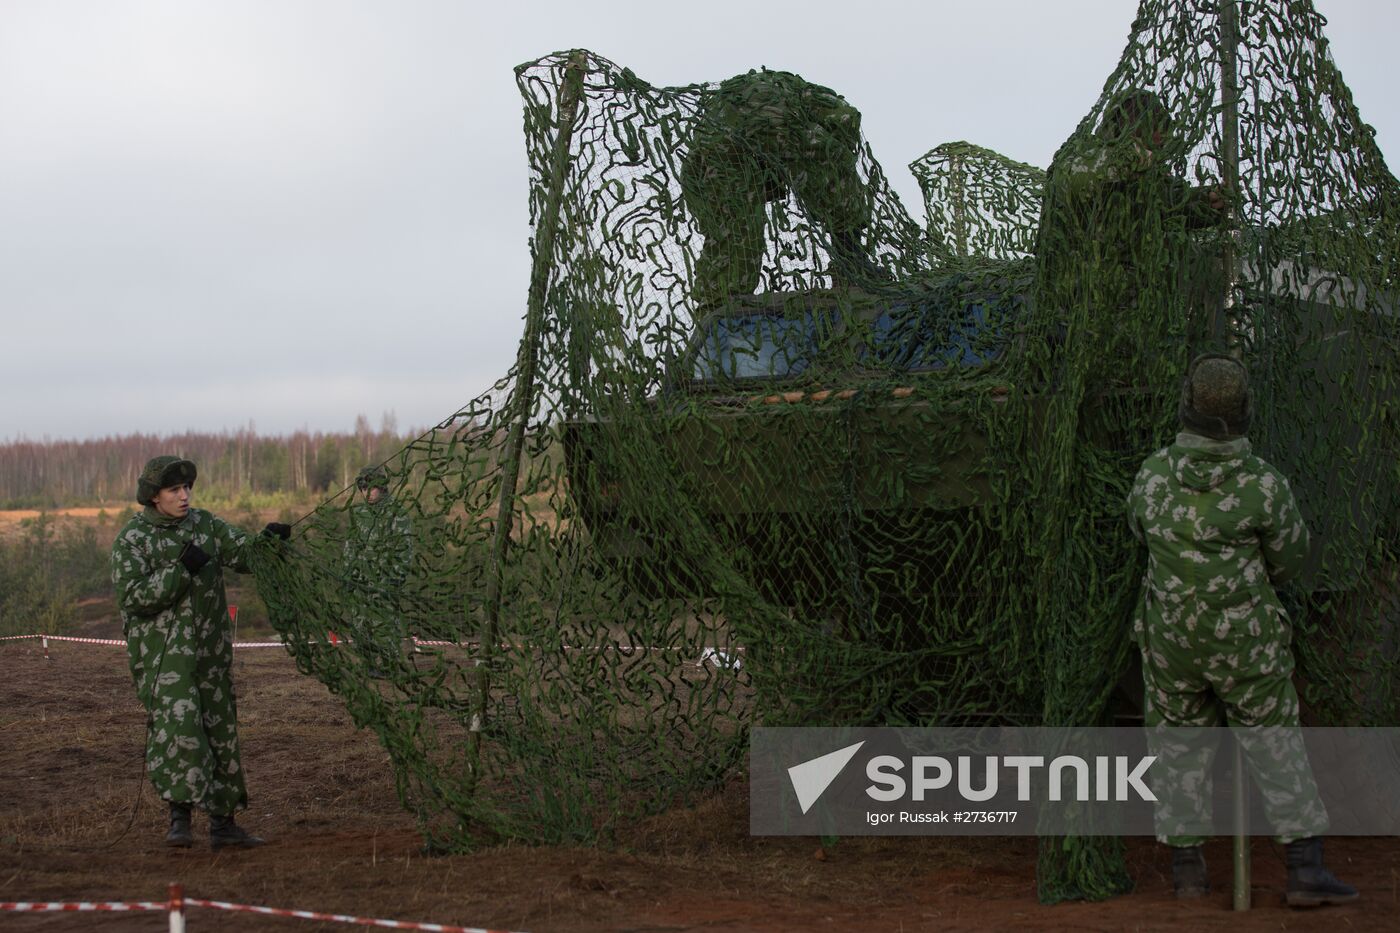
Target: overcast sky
x: 290, y: 212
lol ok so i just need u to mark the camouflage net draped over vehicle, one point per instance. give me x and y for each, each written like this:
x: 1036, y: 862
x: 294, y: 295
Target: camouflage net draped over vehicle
x: 978, y: 202
x: 772, y: 453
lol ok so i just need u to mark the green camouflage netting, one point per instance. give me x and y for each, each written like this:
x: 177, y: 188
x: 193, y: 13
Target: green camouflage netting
x: 978, y: 202
x: 771, y: 452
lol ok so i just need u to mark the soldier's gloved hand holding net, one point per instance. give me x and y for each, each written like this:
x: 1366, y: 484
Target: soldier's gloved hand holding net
x: 278, y: 530
x: 193, y: 557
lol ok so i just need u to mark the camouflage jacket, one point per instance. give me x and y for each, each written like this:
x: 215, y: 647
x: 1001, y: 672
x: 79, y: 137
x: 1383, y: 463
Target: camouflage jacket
x: 1220, y: 524
x: 378, y: 550
x: 153, y: 587
x: 1115, y: 226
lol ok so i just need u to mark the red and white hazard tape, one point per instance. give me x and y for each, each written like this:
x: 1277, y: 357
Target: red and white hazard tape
x: 335, y: 918
x: 714, y: 656
x: 80, y: 906
x: 232, y: 617
x: 178, y: 902
x: 519, y: 645
x: 717, y: 657
x: 81, y: 641
x: 506, y: 644
x: 118, y: 642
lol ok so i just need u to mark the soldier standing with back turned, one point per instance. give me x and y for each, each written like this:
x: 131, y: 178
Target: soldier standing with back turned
x: 1222, y: 529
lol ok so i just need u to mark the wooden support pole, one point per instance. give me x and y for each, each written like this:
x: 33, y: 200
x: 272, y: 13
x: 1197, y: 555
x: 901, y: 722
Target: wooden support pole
x: 958, y: 179
x: 522, y: 398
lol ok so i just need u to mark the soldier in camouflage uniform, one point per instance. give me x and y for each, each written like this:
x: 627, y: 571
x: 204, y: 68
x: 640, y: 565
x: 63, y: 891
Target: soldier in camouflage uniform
x: 167, y: 565
x: 1117, y: 239
x: 378, y: 554
x: 1222, y: 529
x: 759, y: 136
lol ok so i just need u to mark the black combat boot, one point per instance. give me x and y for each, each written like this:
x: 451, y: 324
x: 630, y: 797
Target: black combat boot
x: 179, y: 836
x: 1189, y: 872
x: 224, y: 832
x: 1310, y: 884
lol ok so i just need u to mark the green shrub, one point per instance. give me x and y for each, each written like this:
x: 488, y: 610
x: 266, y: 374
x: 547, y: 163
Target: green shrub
x: 44, y: 572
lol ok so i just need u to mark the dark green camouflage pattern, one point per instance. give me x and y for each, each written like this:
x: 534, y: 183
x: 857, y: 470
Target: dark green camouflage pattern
x: 378, y: 554
x: 180, y: 646
x: 1095, y: 250
x: 379, y: 546
x: 1221, y: 528
x: 765, y: 134
x: 610, y: 509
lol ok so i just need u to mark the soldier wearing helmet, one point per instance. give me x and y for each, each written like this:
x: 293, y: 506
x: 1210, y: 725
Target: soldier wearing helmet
x: 1222, y: 530
x: 377, y: 554
x: 1118, y: 252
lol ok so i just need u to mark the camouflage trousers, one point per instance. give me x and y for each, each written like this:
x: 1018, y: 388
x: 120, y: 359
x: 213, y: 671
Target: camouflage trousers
x: 1205, y: 667
x: 184, y: 680
x: 376, y: 623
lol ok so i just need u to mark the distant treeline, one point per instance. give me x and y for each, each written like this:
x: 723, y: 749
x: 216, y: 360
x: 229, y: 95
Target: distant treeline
x: 52, y: 474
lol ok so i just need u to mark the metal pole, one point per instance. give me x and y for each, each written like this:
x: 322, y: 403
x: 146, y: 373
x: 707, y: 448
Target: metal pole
x: 522, y: 399
x: 1241, y: 820
x: 1230, y: 166
x: 1229, y: 327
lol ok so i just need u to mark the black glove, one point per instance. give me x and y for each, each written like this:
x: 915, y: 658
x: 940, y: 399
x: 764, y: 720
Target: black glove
x: 278, y: 530
x: 193, y: 557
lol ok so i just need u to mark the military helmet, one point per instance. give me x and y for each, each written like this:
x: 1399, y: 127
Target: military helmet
x: 1135, y: 112
x: 162, y: 472
x: 1215, y: 399
x: 371, y: 477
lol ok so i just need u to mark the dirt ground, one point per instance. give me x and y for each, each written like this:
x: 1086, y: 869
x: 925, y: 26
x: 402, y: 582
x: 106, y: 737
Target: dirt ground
x: 78, y: 822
